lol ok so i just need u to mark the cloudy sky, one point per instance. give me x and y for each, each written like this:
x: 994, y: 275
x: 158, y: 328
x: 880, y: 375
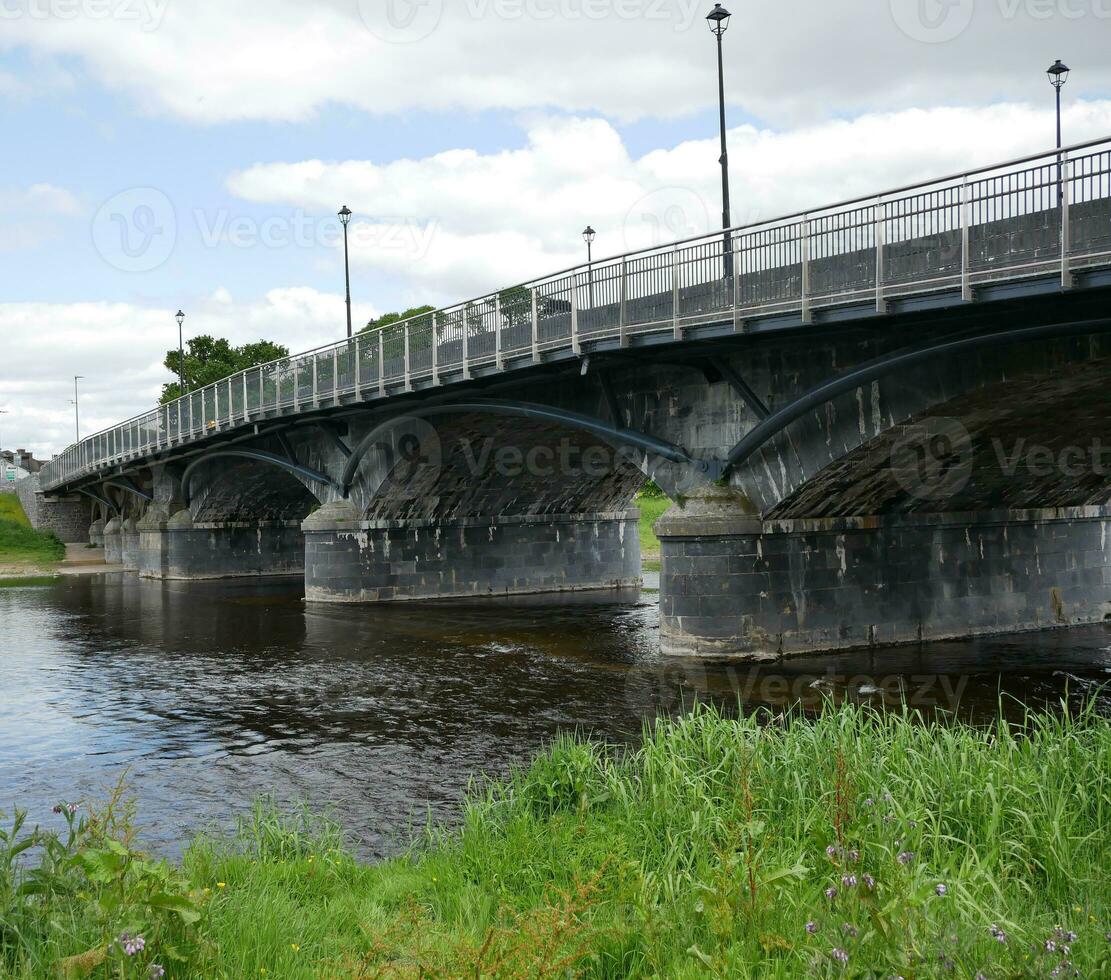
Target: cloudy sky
x: 159, y: 154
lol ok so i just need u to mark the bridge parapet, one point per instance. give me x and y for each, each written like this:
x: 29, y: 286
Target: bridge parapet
x: 1043, y: 214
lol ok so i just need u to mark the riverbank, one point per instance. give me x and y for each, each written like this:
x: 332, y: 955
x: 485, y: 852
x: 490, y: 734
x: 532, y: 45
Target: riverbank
x: 651, y: 509
x: 25, y: 552
x: 853, y: 844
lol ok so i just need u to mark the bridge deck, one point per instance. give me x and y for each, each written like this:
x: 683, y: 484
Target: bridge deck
x: 1010, y: 223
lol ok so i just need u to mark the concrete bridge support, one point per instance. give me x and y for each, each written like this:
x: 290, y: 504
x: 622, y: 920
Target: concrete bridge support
x: 214, y: 540
x: 736, y: 585
x: 179, y: 549
x: 349, y: 559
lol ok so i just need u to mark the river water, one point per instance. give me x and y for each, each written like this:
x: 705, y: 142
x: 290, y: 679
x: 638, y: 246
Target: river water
x: 208, y: 695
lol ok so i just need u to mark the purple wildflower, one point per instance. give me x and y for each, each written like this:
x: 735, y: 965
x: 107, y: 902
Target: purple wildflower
x: 57, y: 808
x: 868, y: 880
x: 854, y: 856
x: 812, y: 927
x: 849, y: 881
x: 869, y: 802
x: 849, y: 930
x: 941, y: 891
x: 905, y: 857
x: 840, y: 955
x: 1050, y: 946
x: 132, y: 944
x: 998, y: 934
x: 157, y: 971
x: 73, y: 807
x: 831, y: 892
x: 831, y: 851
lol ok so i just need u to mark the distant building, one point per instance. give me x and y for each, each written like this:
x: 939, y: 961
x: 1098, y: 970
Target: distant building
x: 18, y: 465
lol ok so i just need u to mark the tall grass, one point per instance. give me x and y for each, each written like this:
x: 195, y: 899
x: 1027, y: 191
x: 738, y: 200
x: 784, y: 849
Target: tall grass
x: 19, y: 541
x: 856, y: 844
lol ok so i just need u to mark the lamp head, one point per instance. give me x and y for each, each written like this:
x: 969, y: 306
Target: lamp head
x: 345, y: 215
x: 718, y: 19
x: 1058, y: 73
x: 180, y: 317
x: 588, y: 235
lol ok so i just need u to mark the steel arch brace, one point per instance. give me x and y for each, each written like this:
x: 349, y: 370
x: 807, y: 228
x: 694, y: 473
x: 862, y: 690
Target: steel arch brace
x: 128, y: 486
x: 100, y: 498
x: 542, y: 413
x: 259, y: 456
x: 763, y: 433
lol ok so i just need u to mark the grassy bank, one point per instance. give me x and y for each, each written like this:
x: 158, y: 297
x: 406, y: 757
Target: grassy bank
x: 19, y: 542
x: 651, y: 509
x: 857, y: 844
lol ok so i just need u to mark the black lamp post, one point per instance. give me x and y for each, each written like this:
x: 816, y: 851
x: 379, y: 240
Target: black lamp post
x: 1058, y: 74
x: 345, y: 218
x: 180, y: 317
x: 718, y: 19
x: 588, y: 237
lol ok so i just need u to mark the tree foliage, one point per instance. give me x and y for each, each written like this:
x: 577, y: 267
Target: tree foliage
x: 210, y: 359
x: 390, y: 318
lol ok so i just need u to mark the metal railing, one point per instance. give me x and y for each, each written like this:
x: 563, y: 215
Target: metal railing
x: 1044, y: 214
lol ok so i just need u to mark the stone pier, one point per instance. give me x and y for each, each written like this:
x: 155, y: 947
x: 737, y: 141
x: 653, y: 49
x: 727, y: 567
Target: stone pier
x: 737, y: 586
x: 176, y: 548
x: 353, y: 560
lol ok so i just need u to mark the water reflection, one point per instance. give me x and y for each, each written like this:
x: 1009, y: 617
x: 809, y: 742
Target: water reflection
x: 209, y: 694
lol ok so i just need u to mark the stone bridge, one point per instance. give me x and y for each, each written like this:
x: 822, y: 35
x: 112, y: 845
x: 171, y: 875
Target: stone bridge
x: 880, y: 422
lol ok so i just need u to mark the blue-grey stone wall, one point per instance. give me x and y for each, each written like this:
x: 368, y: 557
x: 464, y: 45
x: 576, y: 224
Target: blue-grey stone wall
x: 220, y: 551
x: 67, y: 517
x: 373, y: 561
x: 778, y: 588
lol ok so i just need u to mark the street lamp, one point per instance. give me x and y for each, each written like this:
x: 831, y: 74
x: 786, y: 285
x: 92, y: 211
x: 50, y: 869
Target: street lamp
x: 718, y: 19
x: 588, y: 237
x: 76, y: 408
x: 345, y: 218
x: 1058, y: 74
x: 180, y: 317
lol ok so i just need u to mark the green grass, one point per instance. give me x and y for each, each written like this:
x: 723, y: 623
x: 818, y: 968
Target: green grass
x: 12, y: 510
x: 705, y: 852
x: 651, y: 509
x: 19, y: 541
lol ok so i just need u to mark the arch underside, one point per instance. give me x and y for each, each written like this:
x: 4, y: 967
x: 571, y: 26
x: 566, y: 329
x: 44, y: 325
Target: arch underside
x: 248, y: 491
x: 484, y: 465
x: 1040, y: 439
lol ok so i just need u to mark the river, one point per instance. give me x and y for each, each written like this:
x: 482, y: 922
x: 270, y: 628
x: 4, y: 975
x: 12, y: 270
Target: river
x: 208, y: 695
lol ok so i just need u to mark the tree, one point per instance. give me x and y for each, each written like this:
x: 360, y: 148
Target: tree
x: 210, y: 359
x: 390, y: 318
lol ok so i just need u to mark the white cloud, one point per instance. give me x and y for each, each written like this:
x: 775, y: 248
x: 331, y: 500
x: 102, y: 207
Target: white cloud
x: 787, y: 61
x: 32, y: 215
x: 460, y: 223
x: 119, y: 349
